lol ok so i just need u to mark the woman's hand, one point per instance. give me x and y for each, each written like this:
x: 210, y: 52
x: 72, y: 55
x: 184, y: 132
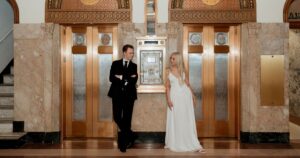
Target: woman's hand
x: 170, y: 104
x: 194, y: 100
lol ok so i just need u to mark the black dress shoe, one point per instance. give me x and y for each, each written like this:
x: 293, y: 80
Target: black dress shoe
x: 129, y: 145
x: 132, y: 140
x: 123, y: 149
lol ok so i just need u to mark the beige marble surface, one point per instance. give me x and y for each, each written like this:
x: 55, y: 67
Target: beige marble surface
x: 294, y: 72
x: 37, y: 58
x: 37, y: 87
x: 261, y: 39
x: 294, y: 131
x: 149, y: 113
x: 36, y: 69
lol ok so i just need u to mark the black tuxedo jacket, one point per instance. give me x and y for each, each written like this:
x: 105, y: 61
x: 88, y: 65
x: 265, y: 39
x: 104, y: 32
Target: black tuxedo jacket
x: 126, y: 86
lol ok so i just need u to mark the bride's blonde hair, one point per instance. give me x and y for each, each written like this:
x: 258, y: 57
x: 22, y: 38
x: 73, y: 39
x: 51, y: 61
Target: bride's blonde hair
x: 179, y: 65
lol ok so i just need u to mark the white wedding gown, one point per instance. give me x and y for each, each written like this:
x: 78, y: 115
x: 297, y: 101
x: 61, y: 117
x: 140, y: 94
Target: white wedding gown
x: 181, y: 133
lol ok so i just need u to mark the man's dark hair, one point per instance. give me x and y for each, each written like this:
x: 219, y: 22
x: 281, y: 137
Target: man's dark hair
x: 125, y: 47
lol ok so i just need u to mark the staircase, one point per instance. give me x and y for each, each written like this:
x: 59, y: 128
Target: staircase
x: 8, y: 138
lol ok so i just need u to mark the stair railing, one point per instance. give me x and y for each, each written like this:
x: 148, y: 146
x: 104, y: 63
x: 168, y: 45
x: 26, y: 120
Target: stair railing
x: 4, y: 49
x: 6, y: 35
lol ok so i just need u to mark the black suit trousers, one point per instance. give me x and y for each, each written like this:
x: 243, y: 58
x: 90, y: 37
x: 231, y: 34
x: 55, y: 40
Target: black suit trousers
x: 122, y: 113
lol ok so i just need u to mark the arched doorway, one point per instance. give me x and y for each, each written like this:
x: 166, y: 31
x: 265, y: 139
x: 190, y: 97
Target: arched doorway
x: 15, y: 8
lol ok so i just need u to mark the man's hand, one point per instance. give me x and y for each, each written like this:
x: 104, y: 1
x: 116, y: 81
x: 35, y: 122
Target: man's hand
x: 119, y: 76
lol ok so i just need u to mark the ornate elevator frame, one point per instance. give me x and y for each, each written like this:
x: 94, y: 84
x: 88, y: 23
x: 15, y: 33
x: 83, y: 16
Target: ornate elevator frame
x: 151, y: 59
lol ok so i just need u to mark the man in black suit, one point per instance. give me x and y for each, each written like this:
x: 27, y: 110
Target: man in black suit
x: 123, y: 76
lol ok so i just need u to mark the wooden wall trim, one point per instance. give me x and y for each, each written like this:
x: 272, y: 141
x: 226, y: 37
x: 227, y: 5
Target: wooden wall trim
x: 65, y: 12
x: 92, y: 17
x: 212, y: 16
x: 195, y: 11
x: 15, y: 8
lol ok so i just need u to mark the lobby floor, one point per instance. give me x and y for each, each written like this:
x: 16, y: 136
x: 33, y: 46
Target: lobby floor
x: 215, y: 148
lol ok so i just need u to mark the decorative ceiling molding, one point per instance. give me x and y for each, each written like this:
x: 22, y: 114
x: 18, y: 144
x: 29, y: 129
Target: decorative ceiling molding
x: 54, y: 4
x: 247, y: 4
x: 194, y: 16
x: 225, y: 11
x: 124, y: 4
x: 89, y: 2
x: 88, y: 11
x: 176, y: 4
x: 88, y: 17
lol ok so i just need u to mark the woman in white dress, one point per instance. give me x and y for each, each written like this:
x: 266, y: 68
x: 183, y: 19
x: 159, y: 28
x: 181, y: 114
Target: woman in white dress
x: 181, y: 133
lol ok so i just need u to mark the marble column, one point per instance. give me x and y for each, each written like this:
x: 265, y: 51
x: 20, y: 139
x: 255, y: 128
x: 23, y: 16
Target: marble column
x: 294, y: 91
x: 37, y: 77
x: 294, y: 81
x: 262, y: 123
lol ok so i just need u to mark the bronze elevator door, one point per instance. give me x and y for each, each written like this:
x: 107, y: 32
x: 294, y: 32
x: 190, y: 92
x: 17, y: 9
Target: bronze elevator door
x: 88, y: 52
x: 212, y: 58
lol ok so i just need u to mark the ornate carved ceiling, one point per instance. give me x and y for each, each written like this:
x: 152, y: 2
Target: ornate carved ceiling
x: 213, y: 11
x: 116, y: 11
x: 88, y: 11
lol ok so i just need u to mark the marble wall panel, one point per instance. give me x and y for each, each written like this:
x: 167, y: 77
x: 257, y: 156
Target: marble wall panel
x: 37, y: 66
x: 294, y: 72
x: 37, y: 76
x: 149, y: 113
x: 260, y: 39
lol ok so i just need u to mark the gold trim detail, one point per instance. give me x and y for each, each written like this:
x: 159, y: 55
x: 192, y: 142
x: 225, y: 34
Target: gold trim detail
x: 210, y: 2
x: 212, y: 11
x: 176, y: 4
x: 247, y: 4
x: 124, y: 4
x: 89, y: 2
x: 54, y: 4
x: 89, y: 17
x: 87, y: 11
x: 210, y: 16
